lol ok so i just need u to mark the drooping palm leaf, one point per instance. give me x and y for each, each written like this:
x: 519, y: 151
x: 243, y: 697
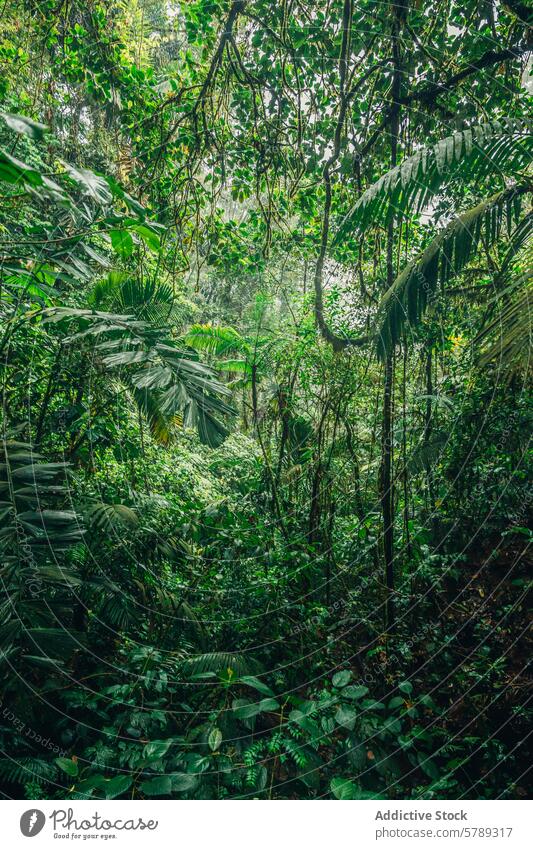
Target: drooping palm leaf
x: 160, y: 424
x: 504, y: 147
x: 447, y: 255
x: 101, y: 515
x: 506, y: 341
x: 26, y: 485
x: 220, y: 662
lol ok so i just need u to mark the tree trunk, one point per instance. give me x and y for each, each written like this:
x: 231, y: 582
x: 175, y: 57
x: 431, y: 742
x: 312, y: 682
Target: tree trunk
x: 387, y: 496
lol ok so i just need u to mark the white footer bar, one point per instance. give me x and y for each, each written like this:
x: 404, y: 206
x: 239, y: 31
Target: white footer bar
x: 265, y: 825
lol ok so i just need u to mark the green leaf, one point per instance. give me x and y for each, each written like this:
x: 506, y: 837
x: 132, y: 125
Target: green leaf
x: 12, y: 170
x: 148, y: 236
x: 372, y: 704
x: 355, y: 691
x: 122, y: 242
x: 182, y: 782
x: 93, y: 185
x: 346, y: 716
x: 215, y: 739
x: 22, y: 124
x: 261, y: 778
x: 86, y: 786
x: 428, y: 766
x: 258, y: 685
x: 267, y: 705
x: 67, y: 765
x: 405, y: 687
x: 245, y: 710
x: 156, y: 749
x: 160, y: 786
x: 346, y: 790
x: 117, y: 785
x: 340, y: 679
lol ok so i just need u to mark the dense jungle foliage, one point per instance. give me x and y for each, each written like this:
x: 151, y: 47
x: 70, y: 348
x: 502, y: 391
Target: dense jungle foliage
x: 265, y: 293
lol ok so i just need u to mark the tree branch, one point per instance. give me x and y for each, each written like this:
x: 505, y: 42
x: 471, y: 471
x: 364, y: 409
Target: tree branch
x: 490, y: 58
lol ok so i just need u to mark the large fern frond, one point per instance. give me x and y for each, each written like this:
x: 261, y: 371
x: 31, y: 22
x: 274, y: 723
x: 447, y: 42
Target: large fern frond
x: 25, y: 769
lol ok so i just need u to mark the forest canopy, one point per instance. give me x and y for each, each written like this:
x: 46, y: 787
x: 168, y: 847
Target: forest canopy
x: 265, y: 490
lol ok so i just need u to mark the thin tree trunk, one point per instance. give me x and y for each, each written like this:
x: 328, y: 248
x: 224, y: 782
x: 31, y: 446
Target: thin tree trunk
x: 407, y: 534
x: 48, y: 394
x: 386, y: 493
x: 143, y: 453
x: 428, y: 430
x: 255, y: 410
x: 387, y: 498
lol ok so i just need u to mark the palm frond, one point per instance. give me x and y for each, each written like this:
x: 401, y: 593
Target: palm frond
x: 104, y: 291
x: 26, y: 485
x: 160, y: 424
x: 107, y: 516
x: 165, y: 380
x: 214, y: 340
x: 119, y: 610
x: 506, y: 341
x: 504, y: 146
x: 148, y: 300
x: 34, y: 535
x: 447, y: 255
x: 220, y: 662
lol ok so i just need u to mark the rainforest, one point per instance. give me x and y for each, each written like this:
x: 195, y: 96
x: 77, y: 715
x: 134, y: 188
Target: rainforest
x: 265, y: 380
